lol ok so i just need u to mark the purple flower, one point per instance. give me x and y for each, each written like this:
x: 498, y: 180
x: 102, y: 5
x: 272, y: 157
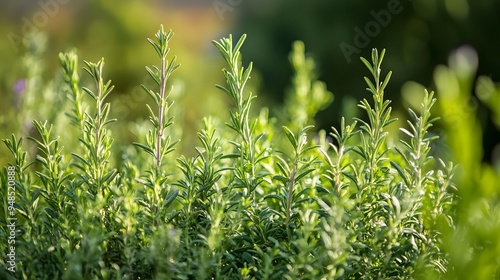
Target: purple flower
x: 19, y: 87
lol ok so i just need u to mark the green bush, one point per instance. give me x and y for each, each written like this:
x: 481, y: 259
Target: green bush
x: 262, y: 198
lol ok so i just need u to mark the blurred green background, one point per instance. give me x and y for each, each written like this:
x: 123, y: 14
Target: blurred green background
x: 117, y: 31
x: 419, y: 35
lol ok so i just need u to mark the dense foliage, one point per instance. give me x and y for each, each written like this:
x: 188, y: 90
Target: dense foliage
x: 262, y: 198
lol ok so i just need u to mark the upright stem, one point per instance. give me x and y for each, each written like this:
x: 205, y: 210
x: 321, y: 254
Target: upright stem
x: 290, y: 192
x: 98, y: 128
x: 338, y: 171
x: 161, y: 107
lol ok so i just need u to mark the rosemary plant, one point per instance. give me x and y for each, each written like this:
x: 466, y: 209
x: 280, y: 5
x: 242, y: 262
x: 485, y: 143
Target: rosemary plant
x: 158, y: 143
x: 252, y: 203
x: 294, y: 168
x: 96, y: 140
x: 69, y: 67
x: 247, y: 150
x: 307, y: 95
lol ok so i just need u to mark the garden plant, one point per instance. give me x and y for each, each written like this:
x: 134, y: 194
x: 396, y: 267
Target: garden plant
x: 261, y: 197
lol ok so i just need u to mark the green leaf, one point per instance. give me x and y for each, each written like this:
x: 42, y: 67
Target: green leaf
x: 89, y: 92
x: 406, y: 132
x: 386, y: 81
x: 291, y: 137
x: 367, y: 64
x: 170, y: 198
x: 371, y: 87
x: 303, y: 173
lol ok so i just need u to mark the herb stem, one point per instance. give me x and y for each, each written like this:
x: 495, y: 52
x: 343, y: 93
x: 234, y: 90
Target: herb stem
x: 161, y: 107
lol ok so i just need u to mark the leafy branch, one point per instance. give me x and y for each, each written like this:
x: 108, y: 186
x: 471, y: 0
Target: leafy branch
x: 294, y: 168
x: 379, y: 116
x: 158, y: 142
x: 69, y: 65
x: 236, y: 78
x: 96, y: 140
